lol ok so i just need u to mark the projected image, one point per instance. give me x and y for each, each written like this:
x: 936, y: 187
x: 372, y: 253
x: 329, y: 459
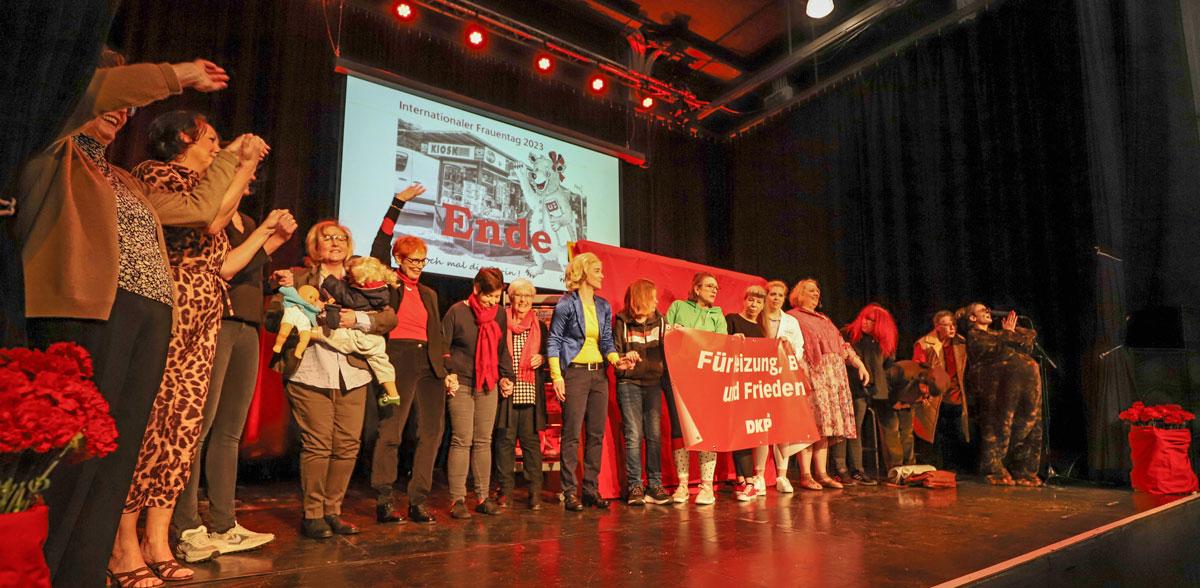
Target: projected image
x: 496, y: 194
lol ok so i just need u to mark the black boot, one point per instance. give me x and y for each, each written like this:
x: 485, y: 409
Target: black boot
x: 339, y: 526
x: 386, y: 513
x: 417, y: 513
x: 315, y: 529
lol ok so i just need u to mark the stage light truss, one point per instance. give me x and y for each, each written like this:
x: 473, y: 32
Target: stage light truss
x: 544, y: 45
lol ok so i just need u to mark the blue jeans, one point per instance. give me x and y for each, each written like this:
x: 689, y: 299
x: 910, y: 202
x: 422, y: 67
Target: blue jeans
x: 641, y: 415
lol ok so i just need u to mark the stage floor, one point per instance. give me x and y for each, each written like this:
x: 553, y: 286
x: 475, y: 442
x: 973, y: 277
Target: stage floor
x: 861, y: 536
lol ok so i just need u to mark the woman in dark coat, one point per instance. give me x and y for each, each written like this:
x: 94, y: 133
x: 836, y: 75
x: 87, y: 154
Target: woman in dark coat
x: 522, y: 413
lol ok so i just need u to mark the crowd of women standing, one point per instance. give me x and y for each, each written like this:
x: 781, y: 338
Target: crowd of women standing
x: 164, y: 286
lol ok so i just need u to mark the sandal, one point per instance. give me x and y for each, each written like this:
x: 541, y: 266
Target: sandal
x: 830, y: 482
x: 129, y: 579
x: 808, y: 483
x: 167, y: 570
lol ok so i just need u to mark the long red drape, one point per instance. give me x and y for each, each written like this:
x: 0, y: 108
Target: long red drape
x: 673, y: 277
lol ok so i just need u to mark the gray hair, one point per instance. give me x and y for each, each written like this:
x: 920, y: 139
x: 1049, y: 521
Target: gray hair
x: 521, y: 286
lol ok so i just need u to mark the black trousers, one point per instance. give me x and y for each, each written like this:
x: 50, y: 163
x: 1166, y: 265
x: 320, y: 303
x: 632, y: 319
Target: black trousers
x: 587, y: 400
x: 415, y: 382
x: 129, y: 351
x: 523, y: 426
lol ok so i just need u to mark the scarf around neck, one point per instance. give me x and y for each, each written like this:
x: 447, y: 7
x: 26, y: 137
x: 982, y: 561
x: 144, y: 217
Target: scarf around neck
x: 487, y: 354
x: 533, y: 344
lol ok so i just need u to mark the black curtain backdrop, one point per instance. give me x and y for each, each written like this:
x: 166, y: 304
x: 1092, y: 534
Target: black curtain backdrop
x: 50, y: 49
x: 1144, y: 151
x: 953, y: 172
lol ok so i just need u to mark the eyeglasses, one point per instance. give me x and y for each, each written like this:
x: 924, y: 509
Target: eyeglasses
x: 712, y: 287
x: 416, y: 260
x: 334, y: 238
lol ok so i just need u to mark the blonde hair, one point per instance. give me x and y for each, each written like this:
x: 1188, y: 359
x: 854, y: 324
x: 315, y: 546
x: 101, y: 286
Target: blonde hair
x: 317, y: 230
x: 755, y: 291
x: 777, y: 284
x: 521, y: 286
x: 794, y: 296
x: 368, y: 269
x: 573, y: 277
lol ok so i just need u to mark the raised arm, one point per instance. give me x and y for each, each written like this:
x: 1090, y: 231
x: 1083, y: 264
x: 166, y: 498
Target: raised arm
x: 381, y: 247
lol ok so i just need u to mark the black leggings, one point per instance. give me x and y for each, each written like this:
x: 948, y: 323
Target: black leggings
x: 129, y: 351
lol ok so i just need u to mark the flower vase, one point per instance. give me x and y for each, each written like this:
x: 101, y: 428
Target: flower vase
x: 21, y: 560
x: 1160, y: 460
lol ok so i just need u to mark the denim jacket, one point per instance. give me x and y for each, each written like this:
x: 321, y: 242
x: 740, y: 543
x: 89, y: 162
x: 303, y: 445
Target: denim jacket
x: 567, y: 330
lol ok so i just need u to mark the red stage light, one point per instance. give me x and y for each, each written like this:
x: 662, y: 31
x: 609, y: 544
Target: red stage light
x: 476, y: 36
x: 647, y: 102
x: 597, y: 84
x: 543, y: 63
x: 404, y: 11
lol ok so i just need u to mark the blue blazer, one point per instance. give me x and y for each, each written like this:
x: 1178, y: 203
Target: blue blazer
x: 567, y: 330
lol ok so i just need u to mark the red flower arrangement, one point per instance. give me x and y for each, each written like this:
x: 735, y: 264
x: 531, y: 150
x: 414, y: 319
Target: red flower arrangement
x: 49, y: 410
x: 1162, y: 416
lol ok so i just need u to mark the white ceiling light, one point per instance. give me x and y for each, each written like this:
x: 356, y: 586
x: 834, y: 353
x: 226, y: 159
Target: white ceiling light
x: 819, y: 8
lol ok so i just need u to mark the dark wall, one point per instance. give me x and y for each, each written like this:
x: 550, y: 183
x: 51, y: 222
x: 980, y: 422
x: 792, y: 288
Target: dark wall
x: 953, y: 172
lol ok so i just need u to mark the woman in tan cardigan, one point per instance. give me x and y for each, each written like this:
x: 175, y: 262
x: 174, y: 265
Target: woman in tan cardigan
x: 96, y: 273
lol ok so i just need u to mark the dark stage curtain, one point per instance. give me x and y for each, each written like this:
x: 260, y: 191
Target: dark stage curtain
x: 49, y: 49
x: 955, y: 171
x: 1144, y: 148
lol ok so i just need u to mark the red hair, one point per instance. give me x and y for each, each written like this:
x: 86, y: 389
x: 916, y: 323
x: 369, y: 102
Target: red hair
x: 884, y: 330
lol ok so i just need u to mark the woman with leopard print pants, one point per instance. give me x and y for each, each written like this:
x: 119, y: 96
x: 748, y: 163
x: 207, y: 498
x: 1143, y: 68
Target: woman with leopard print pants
x: 197, y: 257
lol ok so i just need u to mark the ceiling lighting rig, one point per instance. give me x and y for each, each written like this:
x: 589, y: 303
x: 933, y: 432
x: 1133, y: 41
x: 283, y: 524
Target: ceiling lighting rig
x: 547, y: 52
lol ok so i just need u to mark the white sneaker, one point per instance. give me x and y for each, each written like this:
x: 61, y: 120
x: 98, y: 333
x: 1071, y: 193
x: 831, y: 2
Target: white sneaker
x: 705, y: 496
x: 681, y: 493
x: 194, y: 546
x: 760, y: 485
x: 239, y: 538
x: 783, y: 485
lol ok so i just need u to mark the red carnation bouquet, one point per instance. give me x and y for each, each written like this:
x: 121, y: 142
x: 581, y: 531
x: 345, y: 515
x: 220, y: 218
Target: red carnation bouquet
x: 1158, y: 447
x: 1161, y: 416
x: 49, y: 411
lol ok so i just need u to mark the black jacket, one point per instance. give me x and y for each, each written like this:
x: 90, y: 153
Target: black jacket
x: 435, y: 340
x: 462, y: 334
x: 646, y: 339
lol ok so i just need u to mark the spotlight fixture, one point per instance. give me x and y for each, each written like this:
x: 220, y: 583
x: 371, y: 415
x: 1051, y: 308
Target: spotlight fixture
x: 819, y: 8
x: 597, y: 84
x: 404, y: 11
x: 646, y: 103
x: 475, y: 36
x: 543, y: 62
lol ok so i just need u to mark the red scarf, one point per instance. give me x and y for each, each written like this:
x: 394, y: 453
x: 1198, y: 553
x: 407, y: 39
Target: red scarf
x: 487, y: 346
x: 533, y: 344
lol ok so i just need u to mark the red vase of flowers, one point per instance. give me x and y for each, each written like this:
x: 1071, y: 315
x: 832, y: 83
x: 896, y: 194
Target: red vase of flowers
x: 49, y: 411
x: 1159, y: 440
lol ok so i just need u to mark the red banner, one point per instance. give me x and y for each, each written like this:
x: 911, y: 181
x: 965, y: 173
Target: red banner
x: 736, y: 392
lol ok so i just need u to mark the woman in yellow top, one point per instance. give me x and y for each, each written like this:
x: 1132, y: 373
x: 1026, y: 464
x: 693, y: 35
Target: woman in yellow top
x: 579, y: 343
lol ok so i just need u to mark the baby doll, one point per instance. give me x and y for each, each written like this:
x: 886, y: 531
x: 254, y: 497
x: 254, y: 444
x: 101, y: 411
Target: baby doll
x: 366, y: 290
x: 300, y: 308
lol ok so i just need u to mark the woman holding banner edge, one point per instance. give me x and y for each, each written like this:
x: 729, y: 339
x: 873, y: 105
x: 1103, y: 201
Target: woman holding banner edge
x: 697, y: 312
x: 779, y: 325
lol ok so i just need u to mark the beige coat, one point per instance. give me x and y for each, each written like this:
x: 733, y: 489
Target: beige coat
x: 925, y: 417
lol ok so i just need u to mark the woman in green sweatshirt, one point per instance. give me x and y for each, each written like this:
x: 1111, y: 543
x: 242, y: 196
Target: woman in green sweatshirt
x: 697, y: 312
